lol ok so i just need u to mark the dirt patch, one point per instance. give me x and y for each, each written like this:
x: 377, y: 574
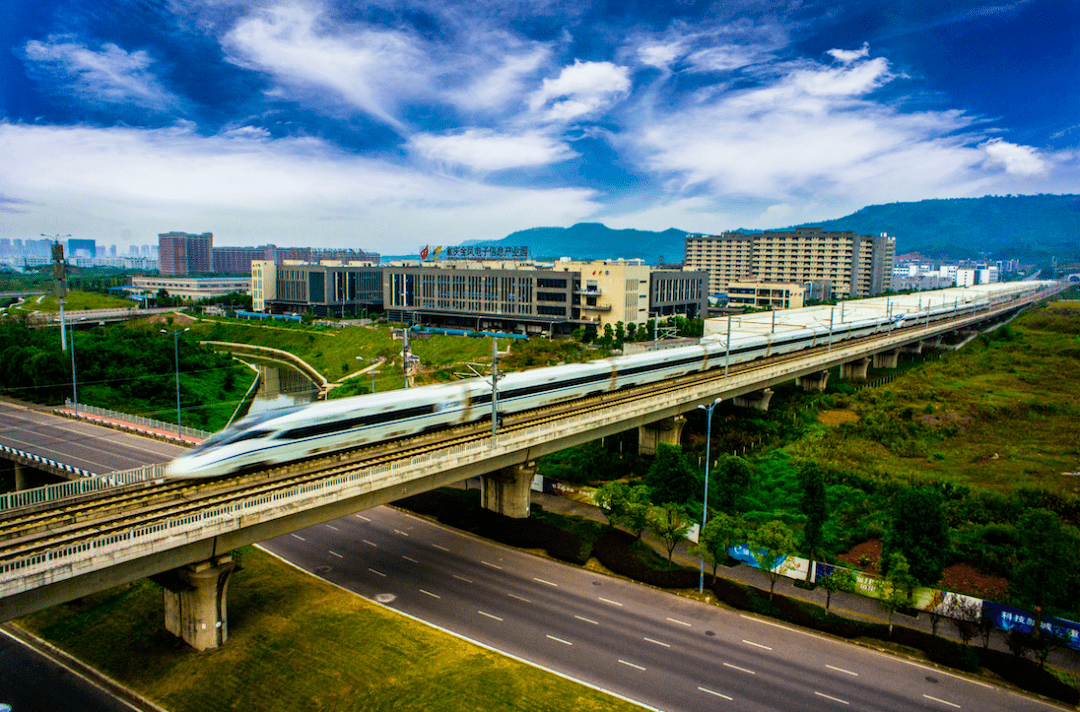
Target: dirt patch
x: 965, y: 578
x: 865, y: 556
x: 836, y: 417
x: 953, y: 420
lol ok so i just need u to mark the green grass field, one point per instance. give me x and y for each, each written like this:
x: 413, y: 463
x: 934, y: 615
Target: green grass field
x: 75, y: 301
x: 298, y: 643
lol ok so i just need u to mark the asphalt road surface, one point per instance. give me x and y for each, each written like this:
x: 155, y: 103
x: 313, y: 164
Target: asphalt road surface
x: 653, y: 647
x: 71, y: 442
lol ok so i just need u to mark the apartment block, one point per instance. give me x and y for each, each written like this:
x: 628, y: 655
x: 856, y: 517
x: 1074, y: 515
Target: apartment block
x: 181, y: 253
x: 855, y: 265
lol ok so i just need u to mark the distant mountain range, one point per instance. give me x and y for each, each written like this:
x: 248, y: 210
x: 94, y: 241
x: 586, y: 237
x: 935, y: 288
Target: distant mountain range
x: 1020, y: 226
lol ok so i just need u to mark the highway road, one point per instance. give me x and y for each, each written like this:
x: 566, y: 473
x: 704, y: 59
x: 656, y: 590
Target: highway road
x: 661, y: 650
x: 71, y: 442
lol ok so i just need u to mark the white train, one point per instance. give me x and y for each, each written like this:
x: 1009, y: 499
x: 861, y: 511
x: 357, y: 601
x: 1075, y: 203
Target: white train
x: 280, y: 436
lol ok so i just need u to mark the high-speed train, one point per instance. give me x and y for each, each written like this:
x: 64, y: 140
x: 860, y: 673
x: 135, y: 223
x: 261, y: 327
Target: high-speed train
x: 275, y: 437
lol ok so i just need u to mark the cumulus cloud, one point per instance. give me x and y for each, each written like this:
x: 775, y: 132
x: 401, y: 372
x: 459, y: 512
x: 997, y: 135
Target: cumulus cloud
x: 487, y: 150
x: 581, y: 89
x: 660, y: 55
x: 109, y: 75
x: 1017, y: 160
x: 847, y: 56
x: 249, y: 188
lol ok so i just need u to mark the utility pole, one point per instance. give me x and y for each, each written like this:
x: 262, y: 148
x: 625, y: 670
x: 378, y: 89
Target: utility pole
x: 494, y: 392
x: 60, y: 281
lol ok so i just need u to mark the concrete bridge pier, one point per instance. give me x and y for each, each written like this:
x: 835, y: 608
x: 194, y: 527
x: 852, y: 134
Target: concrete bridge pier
x: 914, y: 348
x: 813, y: 381
x: 506, y: 491
x: 195, y: 598
x: 854, y: 369
x: 887, y: 359
x: 756, y: 399
x: 20, y: 476
x: 667, y: 431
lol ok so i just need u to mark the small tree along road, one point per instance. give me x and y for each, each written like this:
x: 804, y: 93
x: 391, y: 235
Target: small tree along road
x: 771, y: 546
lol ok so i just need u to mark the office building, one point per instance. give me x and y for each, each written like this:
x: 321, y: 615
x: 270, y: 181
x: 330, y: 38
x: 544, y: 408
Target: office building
x: 611, y: 291
x: 677, y: 292
x: 328, y: 289
x: 181, y: 253
x: 766, y: 295
x: 855, y: 265
x: 193, y: 288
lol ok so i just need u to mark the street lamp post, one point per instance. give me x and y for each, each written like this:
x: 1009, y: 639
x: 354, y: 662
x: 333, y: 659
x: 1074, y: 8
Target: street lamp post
x: 176, y: 360
x: 705, y: 505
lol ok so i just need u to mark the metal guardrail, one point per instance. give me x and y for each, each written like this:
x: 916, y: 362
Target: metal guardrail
x: 72, y: 488
x: 168, y: 427
x: 46, y: 461
x: 88, y: 555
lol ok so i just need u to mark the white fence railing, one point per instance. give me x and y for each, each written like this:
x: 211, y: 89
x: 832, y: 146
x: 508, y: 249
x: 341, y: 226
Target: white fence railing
x: 169, y: 428
x: 43, y: 568
x: 89, y: 483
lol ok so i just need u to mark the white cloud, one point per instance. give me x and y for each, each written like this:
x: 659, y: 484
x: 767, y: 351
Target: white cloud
x: 581, y: 89
x: 847, y: 56
x: 660, y: 55
x: 110, y: 75
x: 373, y: 70
x: 1017, y: 160
x: 723, y: 58
x: 249, y: 189
x: 487, y: 150
x: 499, y: 81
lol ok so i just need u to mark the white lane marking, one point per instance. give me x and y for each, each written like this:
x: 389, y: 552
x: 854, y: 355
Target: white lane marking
x: 587, y: 620
x: 412, y: 516
x: 756, y: 645
x: 657, y: 642
x: 688, y: 626
x: 494, y: 566
x: 846, y: 672
x: 713, y: 692
x: 740, y: 669
x: 830, y: 697
x: 489, y: 616
x: 333, y: 527
x: 370, y: 543
x: 361, y: 516
x: 461, y: 578
x: 523, y: 600
x: 297, y: 536
x: 637, y: 667
x: 380, y: 573
x: 547, y: 583
x: 398, y: 531
x: 429, y: 593
x: 409, y: 558
x: 944, y: 702
x: 560, y: 640
x: 440, y: 548
x: 608, y: 600
x: 336, y: 554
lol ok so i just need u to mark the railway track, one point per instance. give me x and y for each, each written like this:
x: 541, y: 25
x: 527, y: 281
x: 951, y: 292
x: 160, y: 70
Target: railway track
x: 111, y: 512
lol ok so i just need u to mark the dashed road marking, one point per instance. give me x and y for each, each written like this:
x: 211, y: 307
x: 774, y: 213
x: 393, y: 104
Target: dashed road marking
x: 409, y: 558
x: 587, y: 620
x: 714, y: 692
x: 608, y: 600
x: 830, y: 697
x: 297, y: 536
x: 636, y: 667
x: 370, y: 543
x: 560, y: 640
x: 490, y: 616
x: 461, y: 578
x: 440, y: 548
x: 657, y: 642
x: 488, y: 563
x: 361, y: 516
x: 846, y: 672
x: 740, y: 669
x: 334, y: 553
x: 944, y: 702
x: 688, y: 626
x: 523, y: 600
x: 333, y: 527
x: 546, y: 583
x: 398, y: 531
x: 756, y: 645
x: 380, y: 573
x: 429, y: 593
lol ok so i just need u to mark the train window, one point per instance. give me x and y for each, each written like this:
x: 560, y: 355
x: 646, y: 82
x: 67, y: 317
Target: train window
x: 336, y: 426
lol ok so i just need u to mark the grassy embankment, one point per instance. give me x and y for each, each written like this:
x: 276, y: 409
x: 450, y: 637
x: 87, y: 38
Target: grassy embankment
x: 75, y: 301
x: 298, y: 643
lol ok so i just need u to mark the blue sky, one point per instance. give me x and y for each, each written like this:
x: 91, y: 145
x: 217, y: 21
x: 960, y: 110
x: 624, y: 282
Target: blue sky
x: 390, y: 125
